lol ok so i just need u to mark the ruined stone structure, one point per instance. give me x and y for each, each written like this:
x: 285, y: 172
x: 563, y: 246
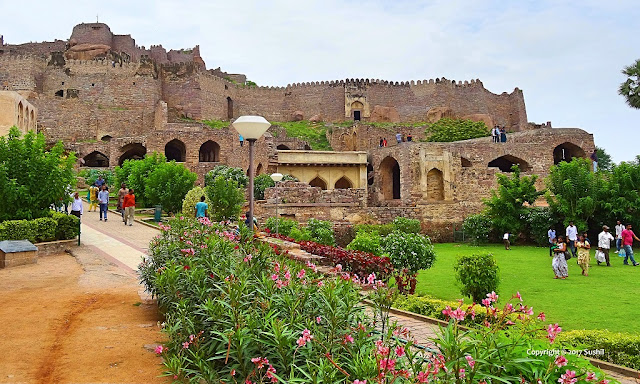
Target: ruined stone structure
x: 110, y: 100
x: 15, y: 110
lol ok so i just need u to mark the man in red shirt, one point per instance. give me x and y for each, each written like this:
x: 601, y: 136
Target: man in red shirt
x: 627, y: 241
x: 129, y: 205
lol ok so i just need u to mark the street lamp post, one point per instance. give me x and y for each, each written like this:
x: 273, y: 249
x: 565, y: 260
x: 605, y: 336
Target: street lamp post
x: 276, y: 177
x: 251, y: 128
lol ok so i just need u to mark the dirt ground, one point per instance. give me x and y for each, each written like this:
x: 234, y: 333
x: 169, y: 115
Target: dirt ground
x: 76, y: 320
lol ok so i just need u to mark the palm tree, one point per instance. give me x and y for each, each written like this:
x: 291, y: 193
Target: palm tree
x: 630, y: 89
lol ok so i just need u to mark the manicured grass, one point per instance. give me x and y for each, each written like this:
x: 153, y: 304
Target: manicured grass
x: 607, y: 299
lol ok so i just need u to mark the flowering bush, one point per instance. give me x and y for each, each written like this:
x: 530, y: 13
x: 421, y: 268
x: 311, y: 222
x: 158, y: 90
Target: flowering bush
x: 409, y: 253
x: 478, y: 275
x: 477, y: 228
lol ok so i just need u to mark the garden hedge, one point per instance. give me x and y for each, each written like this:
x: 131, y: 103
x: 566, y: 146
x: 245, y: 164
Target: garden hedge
x: 57, y: 227
x: 619, y: 348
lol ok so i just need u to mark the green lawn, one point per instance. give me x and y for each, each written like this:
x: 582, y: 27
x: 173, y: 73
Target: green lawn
x: 607, y: 299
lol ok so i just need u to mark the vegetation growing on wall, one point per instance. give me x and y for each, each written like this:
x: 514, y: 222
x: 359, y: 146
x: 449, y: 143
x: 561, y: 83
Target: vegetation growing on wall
x: 447, y: 130
x: 313, y: 133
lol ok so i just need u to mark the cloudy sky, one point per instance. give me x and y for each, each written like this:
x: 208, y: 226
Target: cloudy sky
x: 565, y: 55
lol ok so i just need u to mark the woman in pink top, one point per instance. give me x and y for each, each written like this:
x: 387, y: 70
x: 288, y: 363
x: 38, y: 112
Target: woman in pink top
x: 627, y: 242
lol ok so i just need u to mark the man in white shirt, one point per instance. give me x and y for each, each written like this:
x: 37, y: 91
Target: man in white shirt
x: 619, y: 229
x: 572, y: 236
x: 76, y: 205
x: 552, y: 235
x: 604, y: 243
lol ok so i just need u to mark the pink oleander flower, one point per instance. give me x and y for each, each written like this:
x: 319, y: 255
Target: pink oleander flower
x: 381, y: 349
x: 348, y: 339
x: 301, y: 274
x: 569, y: 377
x: 279, y: 284
x: 517, y: 295
x: 371, y: 279
x: 233, y: 372
x: 306, y: 336
x: 159, y: 349
x: 274, y: 277
x: 320, y: 284
x: 318, y: 319
x: 387, y: 364
x: 541, y: 316
x: 287, y: 275
x: 185, y: 345
x: 458, y: 314
x: 312, y: 266
x: 508, y: 308
x: 400, y: 351
x: 338, y: 267
x: 359, y: 381
x: 461, y: 373
x: 486, y: 302
x: 509, y: 322
x: 470, y: 361
x: 552, y: 331
x: 248, y: 258
x: 492, y: 296
x: 260, y: 362
x: 447, y: 311
x: 591, y: 376
x: 276, y: 267
x: 191, y: 338
x: 560, y: 361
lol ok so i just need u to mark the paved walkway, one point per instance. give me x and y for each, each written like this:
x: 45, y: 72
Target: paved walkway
x: 126, y: 245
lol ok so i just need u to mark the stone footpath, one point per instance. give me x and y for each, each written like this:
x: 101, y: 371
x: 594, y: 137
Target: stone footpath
x: 126, y: 245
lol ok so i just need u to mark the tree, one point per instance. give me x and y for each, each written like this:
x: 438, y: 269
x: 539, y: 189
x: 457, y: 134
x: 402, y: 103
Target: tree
x: 630, y: 88
x: 574, y: 191
x: 620, y: 199
x: 604, y: 160
x: 135, y: 173
x: 229, y: 173
x: 447, y: 130
x: 261, y: 183
x: 31, y: 177
x: 226, y: 199
x: 509, y: 205
x: 168, y: 184
x: 477, y: 275
x: 192, y: 198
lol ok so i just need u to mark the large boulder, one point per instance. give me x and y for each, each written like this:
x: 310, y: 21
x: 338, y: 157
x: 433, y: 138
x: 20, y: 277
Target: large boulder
x: 297, y: 116
x: 436, y: 113
x: 86, y: 51
x: 315, y: 118
x: 382, y: 114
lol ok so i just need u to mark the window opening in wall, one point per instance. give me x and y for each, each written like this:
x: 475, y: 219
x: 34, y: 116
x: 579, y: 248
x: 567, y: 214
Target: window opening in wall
x: 465, y: 162
x: 318, y: 182
x: 60, y: 93
x: 435, y: 185
x: 133, y: 151
x: 567, y: 152
x: 63, y: 83
x: 106, y: 138
x: 343, y: 183
x: 175, y: 150
x: 229, y: 108
x: 259, y: 169
x: 209, y: 152
x: 356, y: 115
x: 504, y: 163
x: 93, y: 84
x: 282, y: 147
x: 369, y: 174
x: 390, y: 178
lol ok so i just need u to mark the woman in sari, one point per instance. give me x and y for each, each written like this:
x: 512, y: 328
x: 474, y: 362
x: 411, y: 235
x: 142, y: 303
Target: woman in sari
x: 559, y: 264
x: 583, y: 254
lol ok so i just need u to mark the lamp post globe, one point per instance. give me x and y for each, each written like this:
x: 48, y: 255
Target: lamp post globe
x: 251, y: 128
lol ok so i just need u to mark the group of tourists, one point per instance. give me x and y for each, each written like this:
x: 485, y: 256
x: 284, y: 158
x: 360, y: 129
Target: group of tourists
x: 499, y: 135
x: 563, y: 248
x: 400, y: 138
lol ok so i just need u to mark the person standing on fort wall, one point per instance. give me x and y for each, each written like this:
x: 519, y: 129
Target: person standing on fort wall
x: 503, y: 135
x: 594, y: 158
x: 409, y: 137
x: 495, y: 133
x: 399, y: 137
x: 384, y: 142
x: 381, y: 143
x: 241, y: 140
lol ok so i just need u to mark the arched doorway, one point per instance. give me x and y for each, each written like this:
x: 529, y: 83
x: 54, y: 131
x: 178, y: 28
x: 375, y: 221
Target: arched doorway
x: 390, y: 178
x: 175, y: 150
x: 318, y: 182
x: 209, y: 152
x: 133, y: 151
x: 32, y: 120
x: 259, y: 170
x: 229, y: 108
x: 567, y: 152
x: 356, y: 110
x: 370, y: 174
x: 106, y: 138
x: 504, y: 163
x: 283, y: 147
x: 96, y: 159
x: 435, y: 185
x: 21, y: 115
x: 343, y: 183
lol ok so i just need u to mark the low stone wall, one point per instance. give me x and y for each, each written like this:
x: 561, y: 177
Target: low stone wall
x: 55, y: 247
x: 292, y: 192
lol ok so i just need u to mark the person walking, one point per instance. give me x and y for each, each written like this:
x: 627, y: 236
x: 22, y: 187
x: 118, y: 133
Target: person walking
x: 594, y: 159
x: 76, y: 205
x: 399, y: 137
x: 129, y: 204
x: 619, y: 229
x: 122, y: 192
x: 99, y: 183
x: 572, y: 237
x: 551, y: 234
x: 627, y: 241
x: 93, y: 199
x: 583, y: 246
x: 559, y: 263
x: 505, y: 240
x: 202, y: 208
x: 103, y: 198
x: 604, y: 243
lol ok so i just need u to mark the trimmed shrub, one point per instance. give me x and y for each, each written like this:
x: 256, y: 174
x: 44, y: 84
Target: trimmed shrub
x: 68, y: 226
x: 17, y: 230
x: 366, y: 242
x: 321, y: 231
x: 382, y: 229
x: 409, y: 251
x: 44, y: 229
x: 618, y: 348
x: 57, y: 227
x: 284, y: 225
x: 478, y: 275
x: 405, y: 225
x: 192, y: 198
x: 477, y: 228
x: 226, y: 199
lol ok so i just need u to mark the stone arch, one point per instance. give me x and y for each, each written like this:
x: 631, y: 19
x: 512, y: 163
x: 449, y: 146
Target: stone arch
x: 229, y: 108
x: 435, y: 185
x: 343, y: 183
x: 259, y: 169
x: 209, y: 152
x: 175, y: 150
x: 20, y: 115
x: 357, y: 109
x: 370, y: 174
x: 96, y: 159
x: 133, y: 151
x: 566, y: 152
x: 390, y: 178
x: 307, y: 147
x: 106, y: 138
x: 318, y: 182
x: 59, y: 93
x: 32, y: 120
x: 283, y: 147
x: 504, y: 163
x: 466, y: 163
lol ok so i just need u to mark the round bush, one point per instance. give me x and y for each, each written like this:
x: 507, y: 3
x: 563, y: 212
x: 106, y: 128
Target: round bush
x: 366, y: 242
x: 192, y: 198
x: 478, y: 275
x: 409, y: 250
x: 477, y: 228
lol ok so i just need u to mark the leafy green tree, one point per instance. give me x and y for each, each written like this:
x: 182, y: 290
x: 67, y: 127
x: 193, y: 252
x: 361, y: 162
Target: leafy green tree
x: 478, y: 275
x: 135, y: 173
x: 32, y: 177
x: 630, y: 88
x: 168, y: 184
x: 604, y: 160
x: 620, y: 198
x: 574, y: 191
x: 447, y: 130
x: 229, y: 173
x: 509, y: 205
x: 192, y: 198
x: 226, y: 199
x: 91, y: 175
x: 260, y: 183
